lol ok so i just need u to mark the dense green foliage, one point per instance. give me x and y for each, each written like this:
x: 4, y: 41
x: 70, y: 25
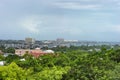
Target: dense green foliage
x: 13, y: 72
x: 67, y: 64
x: 7, y: 50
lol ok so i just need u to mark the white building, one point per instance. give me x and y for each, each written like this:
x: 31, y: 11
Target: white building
x: 2, y: 63
x: 49, y: 51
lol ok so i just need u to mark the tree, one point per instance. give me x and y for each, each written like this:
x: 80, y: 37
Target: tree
x: 12, y: 58
x: 10, y: 50
x: 54, y: 73
x: 13, y: 72
x: 1, y: 57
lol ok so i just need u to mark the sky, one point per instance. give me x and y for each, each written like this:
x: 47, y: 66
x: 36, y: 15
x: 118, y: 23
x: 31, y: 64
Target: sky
x: 92, y: 20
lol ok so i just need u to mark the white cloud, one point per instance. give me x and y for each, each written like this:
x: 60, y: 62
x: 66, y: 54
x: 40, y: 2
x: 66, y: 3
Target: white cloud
x: 118, y: 3
x: 116, y: 28
x: 111, y: 28
x: 30, y: 24
x: 71, y: 31
x: 50, y: 24
x: 76, y: 6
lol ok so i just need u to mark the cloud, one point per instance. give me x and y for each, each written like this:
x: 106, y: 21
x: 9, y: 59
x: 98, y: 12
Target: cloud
x: 70, y: 31
x: 76, y: 6
x: 116, y: 28
x: 110, y: 28
x: 30, y: 24
x: 50, y: 25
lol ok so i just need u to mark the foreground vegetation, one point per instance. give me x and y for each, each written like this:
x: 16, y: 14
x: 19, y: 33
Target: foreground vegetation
x: 70, y: 64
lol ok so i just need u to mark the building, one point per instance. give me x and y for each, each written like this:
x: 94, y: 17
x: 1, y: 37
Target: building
x: 49, y: 51
x: 1, y: 52
x: 21, y: 52
x: 2, y: 63
x: 75, y: 41
x: 59, y: 40
x: 29, y: 40
x: 35, y: 52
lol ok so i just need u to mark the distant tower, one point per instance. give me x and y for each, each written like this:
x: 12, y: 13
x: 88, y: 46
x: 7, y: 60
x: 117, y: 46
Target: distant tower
x: 60, y: 40
x: 29, y: 40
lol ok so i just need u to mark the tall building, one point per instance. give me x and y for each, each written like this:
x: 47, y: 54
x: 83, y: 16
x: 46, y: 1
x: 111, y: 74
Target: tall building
x: 60, y: 40
x: 29, y: 40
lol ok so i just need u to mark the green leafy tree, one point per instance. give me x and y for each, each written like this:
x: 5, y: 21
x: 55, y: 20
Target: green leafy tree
x: 13, y: 72
x: 2, y: 57
x: 10, y: 50
x: 12, y: 58
x: 54, y: 73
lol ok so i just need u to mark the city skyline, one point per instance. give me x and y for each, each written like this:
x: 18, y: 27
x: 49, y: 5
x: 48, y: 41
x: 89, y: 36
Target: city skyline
x: 69, y: 19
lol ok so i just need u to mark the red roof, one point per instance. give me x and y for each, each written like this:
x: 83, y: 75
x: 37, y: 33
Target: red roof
x: 37, y: 54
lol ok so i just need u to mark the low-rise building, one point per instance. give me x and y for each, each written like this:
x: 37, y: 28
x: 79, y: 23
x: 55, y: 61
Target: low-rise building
x: 35, y: 52
x: 2, y: 63
x: 1, y: 52
x: 21, y: 52
x: 49, y: 51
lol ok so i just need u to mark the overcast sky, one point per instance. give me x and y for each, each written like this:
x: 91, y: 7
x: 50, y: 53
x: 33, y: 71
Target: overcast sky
x: 96, y: 20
